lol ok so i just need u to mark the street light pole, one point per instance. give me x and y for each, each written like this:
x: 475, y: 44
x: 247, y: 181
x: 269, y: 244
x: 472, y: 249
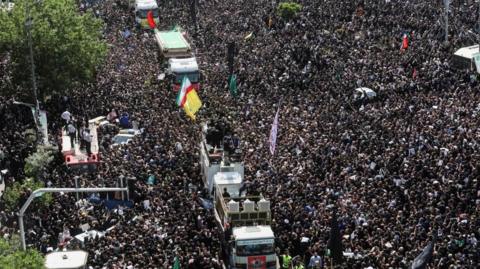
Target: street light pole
x: 447, y: 4
x: 40, y: 192
x: 28, y: 27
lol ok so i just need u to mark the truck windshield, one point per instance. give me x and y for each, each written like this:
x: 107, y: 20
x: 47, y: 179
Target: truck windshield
x: 252, y: 249
x: 193, y: 77
x: 143, y: 13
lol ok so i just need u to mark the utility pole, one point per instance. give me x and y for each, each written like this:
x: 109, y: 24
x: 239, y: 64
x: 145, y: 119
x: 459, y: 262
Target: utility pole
x: 28, y: 28
x: 40, y: 192
x: 447, y: 4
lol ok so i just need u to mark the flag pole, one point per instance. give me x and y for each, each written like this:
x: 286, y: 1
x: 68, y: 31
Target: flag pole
x: 447, y: 4
x: 270, y: 160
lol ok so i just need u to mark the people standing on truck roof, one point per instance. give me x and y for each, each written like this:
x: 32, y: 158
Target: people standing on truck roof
x: 112, y: 115
x: 87, y: 137
x: 81, y: 131
x: 125, y: 120
x: 72, y: 132
x: 437, y: 111
x: 225, y: 193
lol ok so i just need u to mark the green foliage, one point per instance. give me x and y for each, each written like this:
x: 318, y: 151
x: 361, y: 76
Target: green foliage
x: 37, y: 161
x: 288, y: 10
x: 13, y: 193
x: 11, y: 257
x: 30, y: 135
x: 67, y: 45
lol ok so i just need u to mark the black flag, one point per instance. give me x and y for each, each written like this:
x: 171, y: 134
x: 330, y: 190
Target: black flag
x: 335, y: 241
x: 422, y: 260
x: 193, y: 12
x: 230, y: 56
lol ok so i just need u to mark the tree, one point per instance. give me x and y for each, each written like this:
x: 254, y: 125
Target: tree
x: 39, y: 160
x: 12, y: 257
x: 67, y: 45
x: 15, y: 193
x: 288, y: 10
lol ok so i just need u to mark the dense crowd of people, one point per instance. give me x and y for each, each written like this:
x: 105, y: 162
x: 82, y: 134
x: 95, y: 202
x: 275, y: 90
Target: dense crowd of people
x: 399, y: 169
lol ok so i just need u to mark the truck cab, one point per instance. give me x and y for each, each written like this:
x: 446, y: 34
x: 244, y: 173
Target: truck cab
x: 142, y: 7
x: 253, y: 247
x: 179, y: 68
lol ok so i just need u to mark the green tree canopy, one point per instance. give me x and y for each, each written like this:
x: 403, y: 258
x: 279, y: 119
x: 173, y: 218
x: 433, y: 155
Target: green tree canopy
x: 39, y: 160
x: 288, y: 10
x: 11, y: 257
x: 18, y: 190
x: 67, y: 45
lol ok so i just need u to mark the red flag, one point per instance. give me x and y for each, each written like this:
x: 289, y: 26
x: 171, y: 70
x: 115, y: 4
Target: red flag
x: 414, y: 74
x: 404, y: 43
x: 150, y: 19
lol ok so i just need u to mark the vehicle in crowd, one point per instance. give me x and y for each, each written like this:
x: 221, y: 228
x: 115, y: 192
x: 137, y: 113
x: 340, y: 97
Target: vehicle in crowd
x: 124, y: 136
x: 76, y: 157
x: 76, y: 259
x: 463, y: 58
x: 172, y: 44
x: 179, y: 68
x: 364, y: 93
x: 244, y: 219
x: 142, y: 8
x: 176, y: 51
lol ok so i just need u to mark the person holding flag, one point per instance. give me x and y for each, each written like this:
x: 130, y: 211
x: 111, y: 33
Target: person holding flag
x: 232, y: 84
x: 176, y: 263
x: 404, y: 46
x: 273, y: 132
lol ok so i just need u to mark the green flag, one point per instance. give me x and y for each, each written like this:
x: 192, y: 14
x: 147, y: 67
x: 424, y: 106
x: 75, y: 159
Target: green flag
x: 151, y: 180
x: 232, y: 85
x: 176, y: 264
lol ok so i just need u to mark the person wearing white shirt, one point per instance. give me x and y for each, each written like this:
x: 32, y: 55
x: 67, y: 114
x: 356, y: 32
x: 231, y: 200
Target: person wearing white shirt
x: 66, y: 116
x: 87, y: 137
x: 71, y: 133
x: 315, y: 261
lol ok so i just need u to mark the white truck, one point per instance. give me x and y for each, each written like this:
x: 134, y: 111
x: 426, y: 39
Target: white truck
x: 142, y: 7
x: 175, y: 48
x: 250, y: 241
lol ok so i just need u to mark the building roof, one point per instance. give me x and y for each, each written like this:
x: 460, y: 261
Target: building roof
x: 66, y: 259
x: 253, y: 232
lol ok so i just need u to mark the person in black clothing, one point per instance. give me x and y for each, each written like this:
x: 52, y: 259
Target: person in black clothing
x: 225, y: 193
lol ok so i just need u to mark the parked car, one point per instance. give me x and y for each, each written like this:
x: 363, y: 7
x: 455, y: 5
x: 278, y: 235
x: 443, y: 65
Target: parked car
x: 124, y: 136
